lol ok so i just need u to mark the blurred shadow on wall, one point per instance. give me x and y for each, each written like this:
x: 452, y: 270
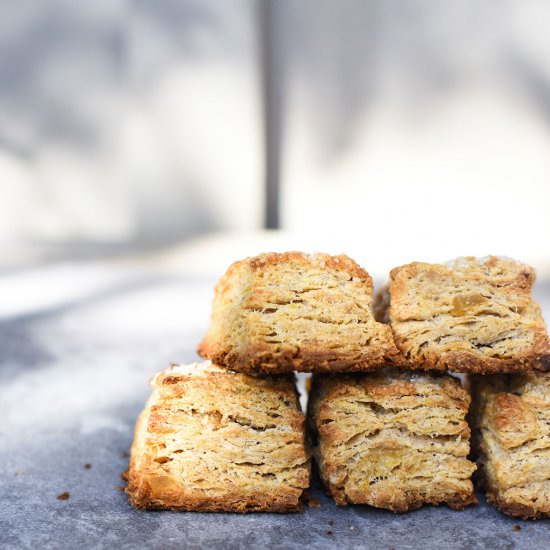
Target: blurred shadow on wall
x: 110, y: 123
x: 422, y: 124
x: 317, y: 48
x: 345, y: 62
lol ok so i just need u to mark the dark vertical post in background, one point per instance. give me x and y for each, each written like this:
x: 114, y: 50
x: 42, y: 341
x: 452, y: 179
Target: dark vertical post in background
x: 270, y: 78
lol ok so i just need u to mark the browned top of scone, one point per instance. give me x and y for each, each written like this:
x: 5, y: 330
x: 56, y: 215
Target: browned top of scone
x: 469, y: 315
x: 326, y: 261
x: 279, y: 312
x: 339, y: 263
x: 204, y: 377
x: 498, y: 270
x: 396, y: 388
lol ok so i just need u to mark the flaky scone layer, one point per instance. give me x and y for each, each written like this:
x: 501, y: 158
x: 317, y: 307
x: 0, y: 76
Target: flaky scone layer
x: 293, y: 311
x: 466, y: 316
x: 215, y: 440
x: 511, y: 415
x: 392, y: 439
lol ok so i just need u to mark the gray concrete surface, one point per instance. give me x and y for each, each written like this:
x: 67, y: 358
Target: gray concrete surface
x: 77, y: 346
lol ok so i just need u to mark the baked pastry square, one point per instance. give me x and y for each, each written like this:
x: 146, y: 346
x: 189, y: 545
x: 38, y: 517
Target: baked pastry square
x: 511, y: 415
x: 391, y: 439
x: 294, y: 311
x: 471, y: 315
x: 215, y: 440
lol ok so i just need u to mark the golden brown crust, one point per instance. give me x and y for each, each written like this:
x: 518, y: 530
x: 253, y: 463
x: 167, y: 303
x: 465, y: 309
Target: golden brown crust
x: 515, y: 510
x: 472, y: 315
x: 511, y: 419
x: 282, y: 312
x: 215, y: 440
x: 392, y: 439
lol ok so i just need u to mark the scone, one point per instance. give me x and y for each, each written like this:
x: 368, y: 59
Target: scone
x: 466, y: 316
x: 294, y: 311
x: 511, y: 415
x: 391, y: 439
x: 215, y: 440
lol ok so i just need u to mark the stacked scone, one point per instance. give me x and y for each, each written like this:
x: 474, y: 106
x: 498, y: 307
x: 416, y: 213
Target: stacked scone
x: 479, y: 317
x: 386, y: 428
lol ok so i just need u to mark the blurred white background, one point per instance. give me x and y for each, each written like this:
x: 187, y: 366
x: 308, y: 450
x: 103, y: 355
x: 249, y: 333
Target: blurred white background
x: 389, y: 130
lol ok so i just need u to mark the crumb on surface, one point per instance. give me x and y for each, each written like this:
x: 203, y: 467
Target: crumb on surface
x: 120, y: 488
x: 310, y: 501
x: 63, y: 496
x: 87, y: 466
x: 516, y: 527
x: 330, y: 532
